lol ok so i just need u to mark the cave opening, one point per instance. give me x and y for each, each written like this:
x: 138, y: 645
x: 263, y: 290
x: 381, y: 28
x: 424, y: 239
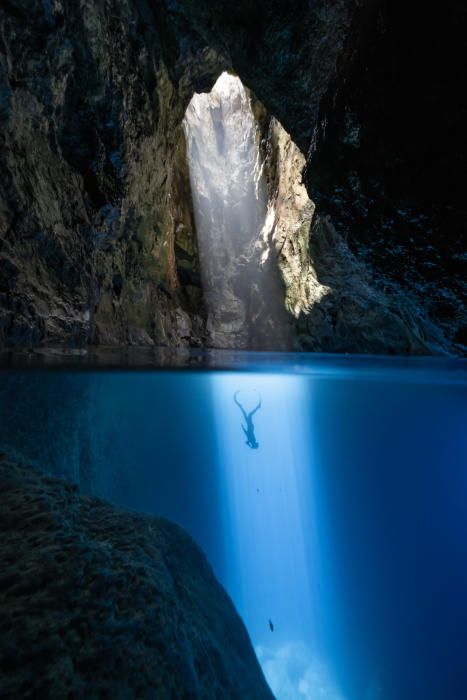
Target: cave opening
x: 234, y: 218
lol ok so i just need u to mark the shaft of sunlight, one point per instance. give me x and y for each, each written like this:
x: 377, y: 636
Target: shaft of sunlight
x: 271, y: 536
x: 243, y: 294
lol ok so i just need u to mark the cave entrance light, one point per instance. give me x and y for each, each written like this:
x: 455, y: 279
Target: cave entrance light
x: 230, y: 203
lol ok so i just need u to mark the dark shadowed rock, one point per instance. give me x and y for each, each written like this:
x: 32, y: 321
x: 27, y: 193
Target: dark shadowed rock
x: 98, y: 602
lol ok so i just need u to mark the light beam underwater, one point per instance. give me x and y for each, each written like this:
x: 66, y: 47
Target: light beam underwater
x: 272, y: 540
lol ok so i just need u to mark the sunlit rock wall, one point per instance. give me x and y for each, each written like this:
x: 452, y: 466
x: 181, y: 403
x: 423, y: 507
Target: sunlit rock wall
x: 96, y: 241
x: 336, y: 302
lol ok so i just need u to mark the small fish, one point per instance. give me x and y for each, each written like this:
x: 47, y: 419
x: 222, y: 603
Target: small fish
x: 271, y: 626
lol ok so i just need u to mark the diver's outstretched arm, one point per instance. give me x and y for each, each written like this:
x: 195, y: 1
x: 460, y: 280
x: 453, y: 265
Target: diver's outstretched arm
x: 252, y: 413
x: 240, y: 405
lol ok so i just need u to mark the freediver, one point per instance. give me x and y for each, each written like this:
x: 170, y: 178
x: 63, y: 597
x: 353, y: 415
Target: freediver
x: 249, y: 429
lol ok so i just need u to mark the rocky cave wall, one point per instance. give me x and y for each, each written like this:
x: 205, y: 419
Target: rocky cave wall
x: 96, y: 240
x: 369, y: 93
x: 334, y: 302
x: 97, y: 243
x: 390, y: 158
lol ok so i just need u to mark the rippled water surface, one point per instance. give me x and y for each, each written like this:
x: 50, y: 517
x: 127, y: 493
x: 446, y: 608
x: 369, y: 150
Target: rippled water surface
x: 335, y: 515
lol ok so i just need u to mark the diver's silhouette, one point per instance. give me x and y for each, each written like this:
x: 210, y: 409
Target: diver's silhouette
x: 249, y: 430
x: 271, y: 626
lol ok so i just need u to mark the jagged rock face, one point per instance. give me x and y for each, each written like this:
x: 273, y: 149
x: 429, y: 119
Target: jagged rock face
x: 369, y: 93
x: 99, y: 602
x: 287, y: 53
x: 97, y: 238
x: 337, y: 305
x: 96, y: 241
x: 388, y: 166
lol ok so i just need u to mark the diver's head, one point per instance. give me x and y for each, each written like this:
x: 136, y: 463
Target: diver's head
x: 253, y: 444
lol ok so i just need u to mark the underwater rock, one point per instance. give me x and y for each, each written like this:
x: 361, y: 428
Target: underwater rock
x: 96, y: 601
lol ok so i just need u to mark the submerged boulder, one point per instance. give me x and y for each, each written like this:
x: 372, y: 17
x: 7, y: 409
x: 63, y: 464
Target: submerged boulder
x: 99, y: 602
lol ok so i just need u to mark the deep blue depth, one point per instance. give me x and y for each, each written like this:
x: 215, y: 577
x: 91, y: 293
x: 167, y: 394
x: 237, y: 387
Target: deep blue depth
x: 345, y: 530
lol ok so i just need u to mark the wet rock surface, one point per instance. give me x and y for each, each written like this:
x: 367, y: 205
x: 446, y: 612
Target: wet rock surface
x: 97, y: 238
x: 98, y: 602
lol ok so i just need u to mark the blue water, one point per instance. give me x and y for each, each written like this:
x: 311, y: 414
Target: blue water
x: 345, y: 530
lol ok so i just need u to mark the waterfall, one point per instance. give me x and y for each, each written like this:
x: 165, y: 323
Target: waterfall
x: 242, y: 288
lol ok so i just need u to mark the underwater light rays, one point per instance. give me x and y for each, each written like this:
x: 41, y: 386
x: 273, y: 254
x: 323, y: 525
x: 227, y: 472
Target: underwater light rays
x: 269, y: 535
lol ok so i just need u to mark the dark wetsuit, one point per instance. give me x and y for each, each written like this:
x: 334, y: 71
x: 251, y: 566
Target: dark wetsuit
x: 249, y: 429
